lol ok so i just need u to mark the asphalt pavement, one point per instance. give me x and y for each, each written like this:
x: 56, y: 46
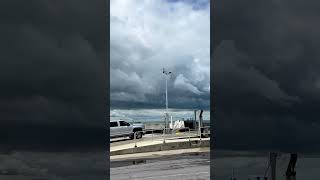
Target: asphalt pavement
x: 166, y: 166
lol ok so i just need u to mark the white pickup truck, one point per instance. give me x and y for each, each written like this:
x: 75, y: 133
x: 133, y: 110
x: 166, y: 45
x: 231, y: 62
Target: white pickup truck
x: 121, y: 128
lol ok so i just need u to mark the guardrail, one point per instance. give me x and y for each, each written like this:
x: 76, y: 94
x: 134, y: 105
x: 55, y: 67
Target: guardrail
x: 170, y: 134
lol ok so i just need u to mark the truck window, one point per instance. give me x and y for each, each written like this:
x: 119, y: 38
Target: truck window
x: 113, y: 124
x: 123, y: 123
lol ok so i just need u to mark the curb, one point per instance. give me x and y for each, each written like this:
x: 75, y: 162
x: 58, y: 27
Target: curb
x: 163, y: 147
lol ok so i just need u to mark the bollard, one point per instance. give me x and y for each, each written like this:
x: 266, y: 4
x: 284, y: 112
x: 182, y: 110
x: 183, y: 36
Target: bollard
x: 135, y: 141
x: 206, y: 132
x: 164, y: 141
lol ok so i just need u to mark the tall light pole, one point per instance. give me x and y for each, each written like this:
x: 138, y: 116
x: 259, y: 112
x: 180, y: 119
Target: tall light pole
x: 166, y: 73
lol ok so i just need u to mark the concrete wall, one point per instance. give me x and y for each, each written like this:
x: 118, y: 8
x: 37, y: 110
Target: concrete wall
x: 163, y: 147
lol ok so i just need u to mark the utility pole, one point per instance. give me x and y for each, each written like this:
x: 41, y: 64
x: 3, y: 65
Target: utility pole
x: 200, y: 123
x: 195, y: 119
x: 166, y: 73
x: 166, y: 93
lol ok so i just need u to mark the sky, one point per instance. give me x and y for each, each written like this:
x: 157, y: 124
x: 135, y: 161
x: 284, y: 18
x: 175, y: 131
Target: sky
x: 147, y: 36
x: 52, y: 72
x: 267, y: 78
x: 52, y: 95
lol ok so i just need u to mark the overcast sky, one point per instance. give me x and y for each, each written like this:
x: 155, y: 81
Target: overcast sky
x: 267, y: 74
x: 52, y: 76
x: 52, y: 95
x: 52, y: 72
x: 149, y: 35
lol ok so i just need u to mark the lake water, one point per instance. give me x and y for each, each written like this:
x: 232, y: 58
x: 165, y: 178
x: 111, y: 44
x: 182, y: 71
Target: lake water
x: 155, y: 115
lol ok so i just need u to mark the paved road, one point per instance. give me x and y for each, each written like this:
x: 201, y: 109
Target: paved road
x: 178, y: 167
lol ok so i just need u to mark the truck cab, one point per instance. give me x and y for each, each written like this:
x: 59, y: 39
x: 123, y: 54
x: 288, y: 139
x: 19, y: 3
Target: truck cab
x: 121, y: 128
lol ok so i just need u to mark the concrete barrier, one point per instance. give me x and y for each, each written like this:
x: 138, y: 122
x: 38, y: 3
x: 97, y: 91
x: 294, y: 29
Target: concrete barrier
x: 163, y: 147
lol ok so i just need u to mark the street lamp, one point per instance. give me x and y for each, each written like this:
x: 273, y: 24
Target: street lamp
x: 167, y: 74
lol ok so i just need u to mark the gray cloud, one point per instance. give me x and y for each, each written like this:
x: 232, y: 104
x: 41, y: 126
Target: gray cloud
x: 52, y: 95
x: 266, y: 73
x: 47, y: 165
x: 182, y: 83
x: 147, y: 36
x: 52, y: 70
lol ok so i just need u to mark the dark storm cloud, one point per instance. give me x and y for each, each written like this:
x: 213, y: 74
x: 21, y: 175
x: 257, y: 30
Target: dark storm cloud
x: 52, y: 72
x: 266, y: 69
x: 149, y: 35
x: 48, y: 166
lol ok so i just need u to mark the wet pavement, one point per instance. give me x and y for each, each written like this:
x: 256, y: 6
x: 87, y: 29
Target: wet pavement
x: 191, y: 166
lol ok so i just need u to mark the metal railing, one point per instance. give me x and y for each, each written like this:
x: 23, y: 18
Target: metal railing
x: 140, y: 133
x: 166, y: 134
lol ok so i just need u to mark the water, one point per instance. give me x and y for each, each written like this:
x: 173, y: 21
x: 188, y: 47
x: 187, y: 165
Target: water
x: 155, y: 115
